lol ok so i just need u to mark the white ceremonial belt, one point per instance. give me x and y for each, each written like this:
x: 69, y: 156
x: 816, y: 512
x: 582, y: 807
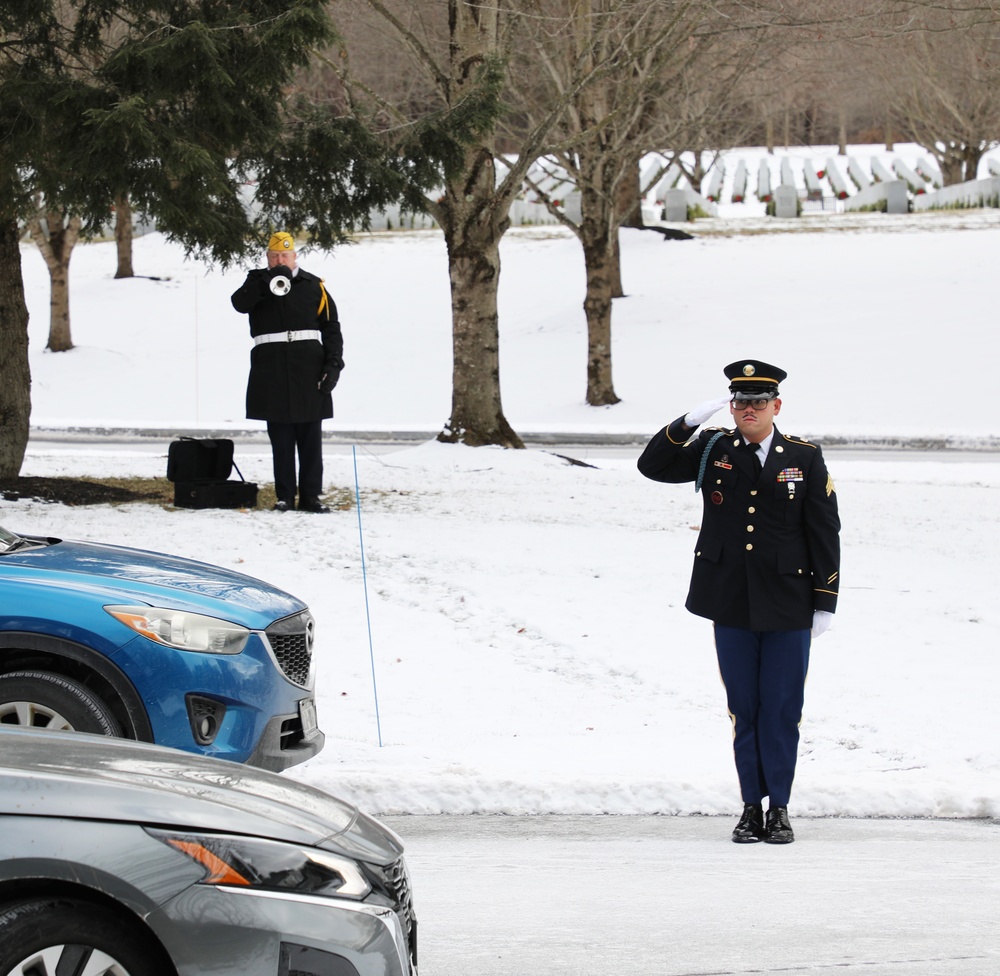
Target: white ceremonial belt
x: 290, y: 336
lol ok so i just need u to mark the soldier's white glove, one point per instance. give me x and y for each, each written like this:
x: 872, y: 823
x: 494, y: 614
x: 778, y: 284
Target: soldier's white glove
x: 702, y: 412
x: 822, y: 619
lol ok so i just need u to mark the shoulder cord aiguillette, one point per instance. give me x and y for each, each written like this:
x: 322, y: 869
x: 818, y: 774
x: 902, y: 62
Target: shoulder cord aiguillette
x: 704, y: 459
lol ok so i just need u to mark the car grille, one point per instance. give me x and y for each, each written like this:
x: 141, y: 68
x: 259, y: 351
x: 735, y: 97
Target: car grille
x: 393, y: 882
x: 291, y: 640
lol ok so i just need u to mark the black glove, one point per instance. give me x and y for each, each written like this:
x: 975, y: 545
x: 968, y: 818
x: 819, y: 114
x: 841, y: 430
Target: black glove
x: 278, y: 269
x: 262, y: 276
x: 328, y: 381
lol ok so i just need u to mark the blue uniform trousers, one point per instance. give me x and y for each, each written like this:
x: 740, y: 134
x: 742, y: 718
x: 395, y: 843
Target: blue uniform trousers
x: 764, y: 673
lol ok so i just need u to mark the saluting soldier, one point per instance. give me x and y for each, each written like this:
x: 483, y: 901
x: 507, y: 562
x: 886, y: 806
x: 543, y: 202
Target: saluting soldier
x: 294, y: 365
x: 766, y: 572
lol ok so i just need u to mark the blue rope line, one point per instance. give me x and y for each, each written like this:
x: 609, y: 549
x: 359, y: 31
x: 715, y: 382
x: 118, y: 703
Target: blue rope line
x: 704, y: 459
x: 364, y: 576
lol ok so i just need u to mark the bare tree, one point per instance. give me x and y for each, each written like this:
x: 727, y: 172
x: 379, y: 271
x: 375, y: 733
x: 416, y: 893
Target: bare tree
x: 941, y: 73
x: 591, y: 85
x: 920, y: 70
x: 582, y: 78
x: 646, y: 74
x: 457, y: 45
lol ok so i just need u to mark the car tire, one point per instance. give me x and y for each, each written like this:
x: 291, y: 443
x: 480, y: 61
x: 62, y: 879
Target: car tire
x: 40, y: 700
x: 46, y: 936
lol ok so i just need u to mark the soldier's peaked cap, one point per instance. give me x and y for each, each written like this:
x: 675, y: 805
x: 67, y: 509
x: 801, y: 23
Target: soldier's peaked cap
x: 752, y: 377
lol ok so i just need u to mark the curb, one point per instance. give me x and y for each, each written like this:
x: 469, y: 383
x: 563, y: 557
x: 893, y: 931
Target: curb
x: 989, y: 444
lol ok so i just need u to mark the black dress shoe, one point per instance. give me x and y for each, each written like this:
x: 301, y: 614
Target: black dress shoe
x: 313, y: 505
x: 750, y: 829
x: 778, y: 829
x: 280, y: 506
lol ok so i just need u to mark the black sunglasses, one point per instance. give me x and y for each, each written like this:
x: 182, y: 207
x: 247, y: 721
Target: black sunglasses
x: 740, y: 404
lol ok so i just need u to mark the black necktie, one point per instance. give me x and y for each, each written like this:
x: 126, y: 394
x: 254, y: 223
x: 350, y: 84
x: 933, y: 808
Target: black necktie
x: 752, y: 448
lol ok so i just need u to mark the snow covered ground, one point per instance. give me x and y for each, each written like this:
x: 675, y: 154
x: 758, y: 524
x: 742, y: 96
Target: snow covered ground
x: 528, y: 639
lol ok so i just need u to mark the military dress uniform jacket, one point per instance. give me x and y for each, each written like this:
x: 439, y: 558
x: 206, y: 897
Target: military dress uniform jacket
x: 768, y: 553
x: 284, y: 376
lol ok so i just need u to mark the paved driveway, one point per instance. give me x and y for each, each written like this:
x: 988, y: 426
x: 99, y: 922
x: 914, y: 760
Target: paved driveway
x: 666, y: 896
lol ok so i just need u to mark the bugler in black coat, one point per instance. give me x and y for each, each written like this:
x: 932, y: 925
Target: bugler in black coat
x: 284, y: 376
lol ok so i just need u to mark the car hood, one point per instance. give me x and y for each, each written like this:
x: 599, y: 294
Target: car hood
x: 124, y: 575
x: 85, y: 777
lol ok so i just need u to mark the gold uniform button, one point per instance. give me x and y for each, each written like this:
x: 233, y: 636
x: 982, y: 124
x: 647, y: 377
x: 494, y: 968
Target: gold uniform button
x: 754, y: 492
x: 749, y: 546
x: 751, y: 510
x: 749, y: 528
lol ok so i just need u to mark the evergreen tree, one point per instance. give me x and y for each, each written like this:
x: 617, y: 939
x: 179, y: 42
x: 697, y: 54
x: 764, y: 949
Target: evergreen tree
x: 181, y: 105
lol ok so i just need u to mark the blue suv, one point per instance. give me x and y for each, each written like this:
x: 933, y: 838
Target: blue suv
x: 123, y: 642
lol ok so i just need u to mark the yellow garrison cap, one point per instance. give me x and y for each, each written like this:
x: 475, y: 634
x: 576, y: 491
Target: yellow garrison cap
x: 280, y: 241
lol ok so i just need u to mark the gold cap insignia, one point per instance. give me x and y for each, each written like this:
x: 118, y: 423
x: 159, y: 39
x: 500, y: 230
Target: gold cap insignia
x: 748, y: 370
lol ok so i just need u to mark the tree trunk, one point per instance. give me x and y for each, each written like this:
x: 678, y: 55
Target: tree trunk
x: 951, y: 162
x: 842, y: 132
x: 474, y: 219
x: 476, y: 413
x: 615, y: 270
x: 698, y: 170
x: 598, y: 231
x: 628, y: 202
x: 56, y: 242
x: 474, y: 269
x: 630, y: 198
x: 15, y: 374
x: 971, y: 154
x: 123, y: 237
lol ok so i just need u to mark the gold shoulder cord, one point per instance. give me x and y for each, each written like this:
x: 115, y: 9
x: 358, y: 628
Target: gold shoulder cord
x: 324, y: 302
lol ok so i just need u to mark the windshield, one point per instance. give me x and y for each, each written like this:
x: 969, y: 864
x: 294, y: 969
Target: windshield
x: 8, y: 540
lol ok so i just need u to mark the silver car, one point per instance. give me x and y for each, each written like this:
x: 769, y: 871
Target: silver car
x: 120, y: 858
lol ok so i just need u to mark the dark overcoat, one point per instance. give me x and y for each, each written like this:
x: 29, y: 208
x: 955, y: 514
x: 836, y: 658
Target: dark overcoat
x: 284, y: 376
x: 768, y: 553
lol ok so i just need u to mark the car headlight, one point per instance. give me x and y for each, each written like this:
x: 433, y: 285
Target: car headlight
x: 183, y: 630
x: 268, y: 865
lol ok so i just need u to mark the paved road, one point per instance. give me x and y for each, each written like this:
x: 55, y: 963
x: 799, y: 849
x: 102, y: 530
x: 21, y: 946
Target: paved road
x: 672, y: 896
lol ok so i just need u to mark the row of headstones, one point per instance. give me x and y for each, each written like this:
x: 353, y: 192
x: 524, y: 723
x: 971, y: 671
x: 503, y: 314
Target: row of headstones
x: 667, y: 196
x: 546, y: 182
x: 887, y: 189
x: 524, y: 212
x: 971, y: 194
x: 919, y: 181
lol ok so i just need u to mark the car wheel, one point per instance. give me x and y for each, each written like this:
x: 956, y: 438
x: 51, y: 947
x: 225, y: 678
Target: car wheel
x: 52, y: 936
x: 39, y: 700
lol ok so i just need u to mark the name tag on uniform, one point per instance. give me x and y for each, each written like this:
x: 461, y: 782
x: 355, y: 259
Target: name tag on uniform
x: 791, y: 474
